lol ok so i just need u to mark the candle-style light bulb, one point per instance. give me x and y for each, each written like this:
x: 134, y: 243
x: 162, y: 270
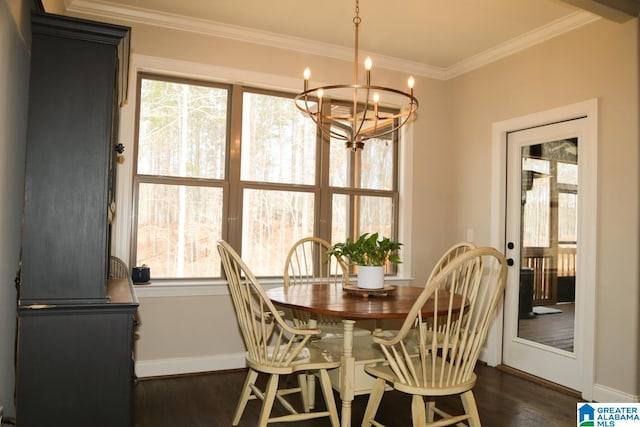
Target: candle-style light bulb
x: 376, y: 98
x: 411, y: 82
x: 367, y: 63
x: 306, y: 74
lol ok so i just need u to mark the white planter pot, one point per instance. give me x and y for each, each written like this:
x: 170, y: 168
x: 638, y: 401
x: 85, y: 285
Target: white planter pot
x: 371, y: 276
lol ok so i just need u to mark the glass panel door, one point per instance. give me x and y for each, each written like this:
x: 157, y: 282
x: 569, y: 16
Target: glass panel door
x: 542, y: 243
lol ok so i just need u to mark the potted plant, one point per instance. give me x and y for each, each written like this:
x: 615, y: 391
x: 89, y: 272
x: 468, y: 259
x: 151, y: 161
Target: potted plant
x: 141, y: 274
x: 370, y: 255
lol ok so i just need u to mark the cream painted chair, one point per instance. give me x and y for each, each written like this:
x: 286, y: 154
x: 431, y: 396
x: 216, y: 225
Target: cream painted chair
x: 307, y: 263
x: 118, y: 269
x: 274, y: 348
x: 449, y: 255
x: 427, y: 365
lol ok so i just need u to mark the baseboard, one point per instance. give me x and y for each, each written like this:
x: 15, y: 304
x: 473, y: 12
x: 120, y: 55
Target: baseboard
x: 189, y: 365
x: 540, y: 381
x: 606, y: 394
x: 487, y: 357
x: 601, y: 393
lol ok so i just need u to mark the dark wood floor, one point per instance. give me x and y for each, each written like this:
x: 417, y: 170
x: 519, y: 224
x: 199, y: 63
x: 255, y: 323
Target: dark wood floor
x: 555, y: 330
x: 504, y: 400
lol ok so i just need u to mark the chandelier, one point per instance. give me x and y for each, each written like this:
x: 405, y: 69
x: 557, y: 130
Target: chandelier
x: 365, y: 119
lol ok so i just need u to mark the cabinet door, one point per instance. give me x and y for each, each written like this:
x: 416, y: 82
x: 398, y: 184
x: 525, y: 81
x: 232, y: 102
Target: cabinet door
x: 71, y: 114
x: 75, y: 367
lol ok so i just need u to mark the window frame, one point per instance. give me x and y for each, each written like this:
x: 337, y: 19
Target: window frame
x: 233, y: 187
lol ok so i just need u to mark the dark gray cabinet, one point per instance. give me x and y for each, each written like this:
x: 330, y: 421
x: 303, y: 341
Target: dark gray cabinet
x: 74, y: 346
x: 75, y: 366
x: 73, y: 106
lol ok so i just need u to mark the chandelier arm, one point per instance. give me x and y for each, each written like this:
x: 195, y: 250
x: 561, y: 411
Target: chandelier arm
x: 365, y: 110
x: 328, y: 88
x: 304, y: 96
x: 325, y: 129
x: 366, y: 135
x: 406, y: 114
x: 393, y: 128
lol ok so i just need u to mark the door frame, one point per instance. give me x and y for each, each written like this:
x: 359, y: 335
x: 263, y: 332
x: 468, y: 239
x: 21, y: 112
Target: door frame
x: 585, y: 319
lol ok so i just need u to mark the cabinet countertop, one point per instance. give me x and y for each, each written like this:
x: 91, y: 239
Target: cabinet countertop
x: 120, y: 291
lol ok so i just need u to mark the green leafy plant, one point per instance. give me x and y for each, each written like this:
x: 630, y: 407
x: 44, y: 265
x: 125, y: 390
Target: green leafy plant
x: 367, y: 250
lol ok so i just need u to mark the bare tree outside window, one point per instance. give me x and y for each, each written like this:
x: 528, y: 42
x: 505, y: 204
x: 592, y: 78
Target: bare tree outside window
x: 258, y: 175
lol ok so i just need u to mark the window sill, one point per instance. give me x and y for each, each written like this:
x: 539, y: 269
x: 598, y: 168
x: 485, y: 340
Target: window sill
x: 191, y: 288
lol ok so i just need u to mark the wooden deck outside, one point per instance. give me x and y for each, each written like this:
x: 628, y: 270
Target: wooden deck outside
x: 555, y: 330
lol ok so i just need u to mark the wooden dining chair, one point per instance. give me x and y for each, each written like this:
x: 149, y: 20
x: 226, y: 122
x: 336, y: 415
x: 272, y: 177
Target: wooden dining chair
x: 450, y: 254
x: 427, y: 365
x: 307, y: 263
x: 446, y: 257
x: 117, y: 268
x: 274, y: 348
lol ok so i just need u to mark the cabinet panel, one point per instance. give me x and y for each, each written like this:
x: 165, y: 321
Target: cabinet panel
x: 74, y: 366
x: 73, y: 92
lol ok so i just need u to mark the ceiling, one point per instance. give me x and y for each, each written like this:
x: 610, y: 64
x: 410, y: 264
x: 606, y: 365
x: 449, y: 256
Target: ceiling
x: 435, y: 35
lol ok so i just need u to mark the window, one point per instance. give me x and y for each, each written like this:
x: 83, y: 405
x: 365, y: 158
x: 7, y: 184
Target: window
x: 243, y: 164
x: 550, y: 200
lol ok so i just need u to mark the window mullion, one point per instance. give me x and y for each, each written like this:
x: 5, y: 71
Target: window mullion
x: 324, y: 208
x: 233, y: 223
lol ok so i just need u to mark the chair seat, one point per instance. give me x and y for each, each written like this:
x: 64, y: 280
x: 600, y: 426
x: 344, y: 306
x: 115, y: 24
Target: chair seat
x: 310, y: 358
x: 337, y: 331
x: 364, y: 349
x: 329, y: 330
x: 384, y: 371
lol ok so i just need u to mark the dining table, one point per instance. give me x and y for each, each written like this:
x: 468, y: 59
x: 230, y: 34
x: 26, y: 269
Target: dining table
x: 350, y: 304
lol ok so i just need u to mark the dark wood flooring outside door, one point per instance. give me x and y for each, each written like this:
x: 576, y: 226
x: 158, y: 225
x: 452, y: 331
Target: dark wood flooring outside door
x: 554, y: 330
x: 504, y: 400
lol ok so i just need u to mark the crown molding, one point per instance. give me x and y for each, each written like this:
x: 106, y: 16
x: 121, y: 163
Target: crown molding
x: 520, y: 43
x: 249, y: 35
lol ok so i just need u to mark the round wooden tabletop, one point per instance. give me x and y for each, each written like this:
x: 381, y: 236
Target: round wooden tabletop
x: 333, y: 300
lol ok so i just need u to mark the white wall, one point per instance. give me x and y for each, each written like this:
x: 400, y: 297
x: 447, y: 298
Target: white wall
x: 14, y: 74
x: 600, y: 61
